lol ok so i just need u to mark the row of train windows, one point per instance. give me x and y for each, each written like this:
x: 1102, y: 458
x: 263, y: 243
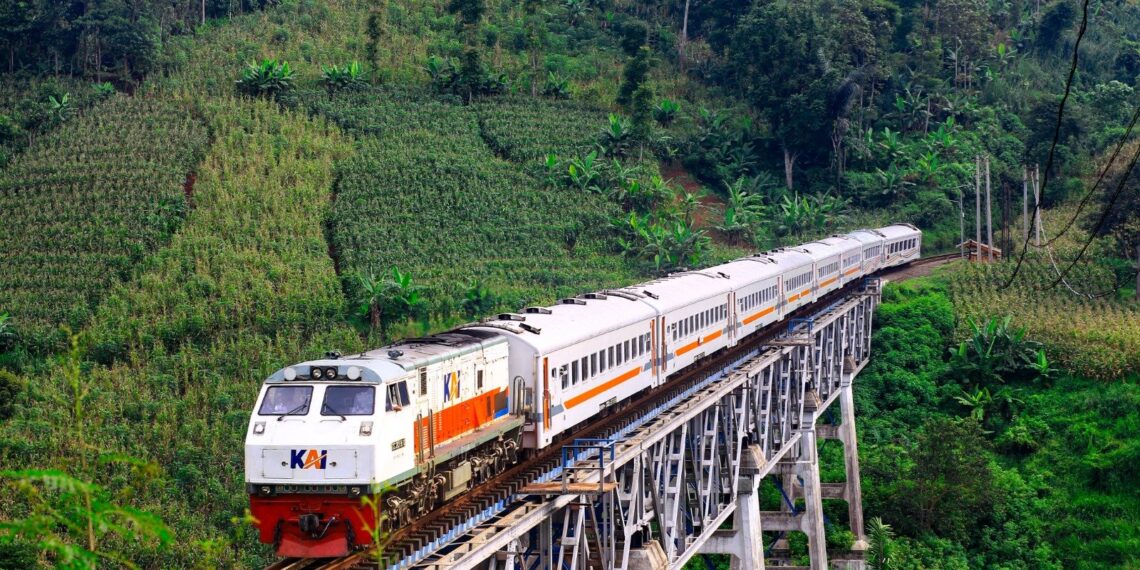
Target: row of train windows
x: 588, y: 367
x: 829, y: 268
x: 904, y: 245
x: 854, y: 259
x: 699, y: 321
x: 753, y: 299
x: 871, y: 252
x: 798, y: 281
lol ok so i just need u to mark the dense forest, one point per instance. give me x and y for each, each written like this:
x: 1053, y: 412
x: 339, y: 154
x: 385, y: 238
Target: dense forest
x: 196, y: 193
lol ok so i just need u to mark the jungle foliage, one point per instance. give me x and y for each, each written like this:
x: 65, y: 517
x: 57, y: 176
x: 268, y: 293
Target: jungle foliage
x: 363, y: 171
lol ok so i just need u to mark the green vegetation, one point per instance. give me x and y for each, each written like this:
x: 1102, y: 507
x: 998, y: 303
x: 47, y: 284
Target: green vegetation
x: 1010, y: 486
x: 86, y: 203
x: 526, y: 130
x: 424, y: 193
x: 423, y: 162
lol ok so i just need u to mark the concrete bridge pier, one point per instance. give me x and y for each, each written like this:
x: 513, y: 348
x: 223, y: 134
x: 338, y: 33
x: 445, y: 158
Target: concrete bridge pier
x: 745, y: 541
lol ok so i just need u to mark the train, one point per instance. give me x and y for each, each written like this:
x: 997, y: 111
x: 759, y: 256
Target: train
x: 407, y: 427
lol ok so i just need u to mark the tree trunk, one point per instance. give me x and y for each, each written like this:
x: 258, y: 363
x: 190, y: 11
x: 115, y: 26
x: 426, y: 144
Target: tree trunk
x: 684, y: 38
x: 203, y: 11
x: 789, y: 164
x: 374, y: 315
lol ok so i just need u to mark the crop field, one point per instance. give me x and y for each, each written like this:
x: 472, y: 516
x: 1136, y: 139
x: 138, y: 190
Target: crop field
x: 244, y: 287
x: 113, y: 180
x: 425, y: 194
x: 1084, y: 326
x: 1097, y: 337
x: 527, y: 129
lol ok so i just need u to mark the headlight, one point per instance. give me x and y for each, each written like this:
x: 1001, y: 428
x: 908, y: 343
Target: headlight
x: 265, y: 490
x: 259, y: 428
x: 354, y: 491
x: 315, y: 373
x: 330, y: 373
x: 365, y: 428
x: 290, y: 373
x: 353, y: 373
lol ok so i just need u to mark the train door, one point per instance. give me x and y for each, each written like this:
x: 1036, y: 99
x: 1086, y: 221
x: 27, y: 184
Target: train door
x: 731, y: 322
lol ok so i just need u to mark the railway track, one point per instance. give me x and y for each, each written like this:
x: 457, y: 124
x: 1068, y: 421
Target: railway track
x: 423, y: 531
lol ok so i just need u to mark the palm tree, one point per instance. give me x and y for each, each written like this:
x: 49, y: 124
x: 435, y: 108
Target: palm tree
x: 384, y: 301
x: 743, y: 211
x: 371, y: 299
x: 879, y: 554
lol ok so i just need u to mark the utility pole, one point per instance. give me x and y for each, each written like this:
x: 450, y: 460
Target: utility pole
x: 1037, y: 204
x: 1005, y: 239
x: 978, y: 204
x: 684, y: 37
x: 989, y: 214
x: 961, y: 222
x: 203, y: 11
x: 1025, y: 204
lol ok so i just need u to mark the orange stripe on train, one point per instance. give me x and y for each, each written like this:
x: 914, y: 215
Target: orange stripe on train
x: 698, y: 342
x: 459, y: 419
x: 584, y: 396
x: 758, y: 314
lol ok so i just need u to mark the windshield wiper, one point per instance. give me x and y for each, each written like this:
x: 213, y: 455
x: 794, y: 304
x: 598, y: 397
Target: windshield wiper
x: 326, y: 406
x: 293, y: 411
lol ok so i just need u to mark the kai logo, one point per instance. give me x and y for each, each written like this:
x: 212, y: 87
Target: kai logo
x: 308, y: 458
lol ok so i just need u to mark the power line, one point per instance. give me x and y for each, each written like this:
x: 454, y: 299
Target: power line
x: 1056, y: 135
x: 1112, y: 160
x: 1103, y: 216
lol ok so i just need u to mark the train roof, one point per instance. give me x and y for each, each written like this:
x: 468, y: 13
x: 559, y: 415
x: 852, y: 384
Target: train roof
x: 570, y: 321
x: 899, y: 230
x: 397, y: 359
x: 828, y: 247
x: 867, y: 235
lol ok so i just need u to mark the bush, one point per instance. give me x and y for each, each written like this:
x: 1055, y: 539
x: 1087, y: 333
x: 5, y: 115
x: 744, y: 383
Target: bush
x: 10, y: 388
x: 270, y: 77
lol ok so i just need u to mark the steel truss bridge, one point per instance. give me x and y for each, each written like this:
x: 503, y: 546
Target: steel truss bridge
x: 684, y: 479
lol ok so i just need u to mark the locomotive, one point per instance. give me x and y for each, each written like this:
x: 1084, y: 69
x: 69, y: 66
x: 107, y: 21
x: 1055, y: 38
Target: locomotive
x: 421, y: 421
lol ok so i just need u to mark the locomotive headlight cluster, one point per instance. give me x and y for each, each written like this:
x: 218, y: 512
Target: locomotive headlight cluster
x: 259, y: 428
x: 365, y: 428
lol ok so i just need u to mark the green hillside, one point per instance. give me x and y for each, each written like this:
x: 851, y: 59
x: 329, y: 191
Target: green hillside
x: 199, y: 217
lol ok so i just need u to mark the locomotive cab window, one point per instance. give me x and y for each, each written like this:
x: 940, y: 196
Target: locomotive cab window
x: 397, y: 398
x: 361, y: 400
x: 286, y: 401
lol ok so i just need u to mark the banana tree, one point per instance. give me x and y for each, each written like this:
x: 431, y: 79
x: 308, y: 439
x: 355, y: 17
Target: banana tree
x: 742, y: 212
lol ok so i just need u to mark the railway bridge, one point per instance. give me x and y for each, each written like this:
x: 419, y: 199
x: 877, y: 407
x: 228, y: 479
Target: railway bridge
x: 677, y: 474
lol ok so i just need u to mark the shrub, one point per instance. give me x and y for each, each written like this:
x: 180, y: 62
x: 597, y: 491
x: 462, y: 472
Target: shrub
x: 270, y: 77
x: 349, y: 76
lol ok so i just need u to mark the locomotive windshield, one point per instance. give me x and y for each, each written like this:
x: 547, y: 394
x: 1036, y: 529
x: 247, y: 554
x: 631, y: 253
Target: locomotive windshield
x: 349, y: 401
x: 286, y: 401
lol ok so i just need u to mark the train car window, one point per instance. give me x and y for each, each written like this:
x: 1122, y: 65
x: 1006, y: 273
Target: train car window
x: 565, y: 378
x: 610, y: 360
x: 423, y: 382
x: 574, y: 373
x: 584, y: 364
x: 360, y: 400
x: 625, y: 351
x: 286, y: 401
x: 593, y: 365
x: 479, y: 378
x: 397, y: 399
x: 564, y: 372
